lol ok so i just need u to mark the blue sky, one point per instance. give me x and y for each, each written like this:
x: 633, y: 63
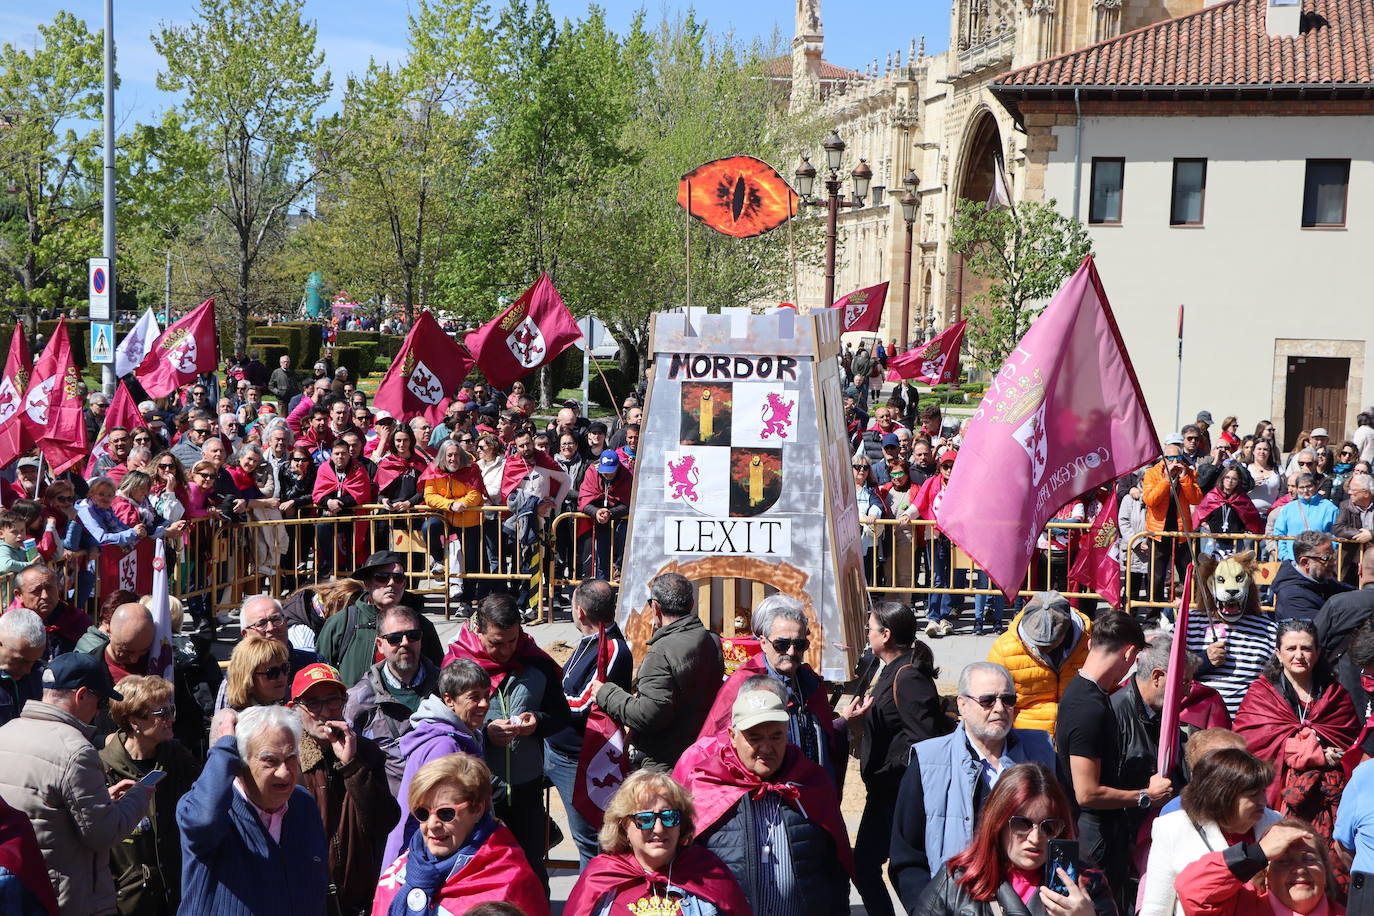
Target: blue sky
x: 352, y: 31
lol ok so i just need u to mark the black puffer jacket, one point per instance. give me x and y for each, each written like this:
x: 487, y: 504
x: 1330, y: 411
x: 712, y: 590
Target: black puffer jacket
x: 821, y: 885
x: 942, y: 897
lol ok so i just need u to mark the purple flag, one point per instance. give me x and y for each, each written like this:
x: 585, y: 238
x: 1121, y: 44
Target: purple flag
x: 1063, y: 415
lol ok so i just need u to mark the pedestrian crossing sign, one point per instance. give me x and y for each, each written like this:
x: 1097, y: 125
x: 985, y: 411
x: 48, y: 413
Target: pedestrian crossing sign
x: 102, y: 343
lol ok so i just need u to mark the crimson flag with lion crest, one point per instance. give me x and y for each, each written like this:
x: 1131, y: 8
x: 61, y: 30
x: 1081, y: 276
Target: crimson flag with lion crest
x: 935, y: 362
x: 862, y: 310
x: 188, y: 347
x: 14, y: 439
x: 605, y: 759
x: 52, y: 404
x: 1098, y: 563
x: 427, y: 370
x: 529, y: 334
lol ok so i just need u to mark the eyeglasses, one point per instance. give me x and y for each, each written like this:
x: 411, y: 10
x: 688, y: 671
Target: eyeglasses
x: 1190, y: 438
x: 987, y: 700
x: 166, y: 712
x: 401, y: 636
x: 272, y: 620
x: 273, y: 673
x: 1020, y: 825
x: 1321, y: 557
x: 644, y: 820
x: 784, y: 646
x: 337, y: 700
x: 1306, y: 464
x: 166, y: 467
x: 445, y: 815
x: 394, y: 578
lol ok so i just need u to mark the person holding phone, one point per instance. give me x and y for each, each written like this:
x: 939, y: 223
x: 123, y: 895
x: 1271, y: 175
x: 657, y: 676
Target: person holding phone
x: 147, y: 865
x: 1008, y: 863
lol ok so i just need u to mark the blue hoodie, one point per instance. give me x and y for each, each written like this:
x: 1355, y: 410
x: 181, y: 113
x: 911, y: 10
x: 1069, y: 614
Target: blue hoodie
x: 437, y: 732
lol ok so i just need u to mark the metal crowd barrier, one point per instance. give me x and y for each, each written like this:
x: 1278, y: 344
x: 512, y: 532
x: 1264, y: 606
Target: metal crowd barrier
x: 216, y: 564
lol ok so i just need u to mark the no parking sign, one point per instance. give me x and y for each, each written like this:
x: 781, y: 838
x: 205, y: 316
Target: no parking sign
x: 100, y: 283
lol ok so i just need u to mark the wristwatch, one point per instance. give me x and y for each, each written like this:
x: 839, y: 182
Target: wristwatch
x: 1143, y: 800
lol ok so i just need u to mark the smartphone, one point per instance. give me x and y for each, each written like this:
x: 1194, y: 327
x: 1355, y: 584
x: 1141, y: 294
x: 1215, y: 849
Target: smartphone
x: 1063, y: 854
x: 153, y: 778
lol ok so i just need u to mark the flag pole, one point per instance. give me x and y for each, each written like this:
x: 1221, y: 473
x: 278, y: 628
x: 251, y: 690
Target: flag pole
x: 791, y: 244
x: 687, y: 233
x: 1178, y: 384
x: 614, y: 405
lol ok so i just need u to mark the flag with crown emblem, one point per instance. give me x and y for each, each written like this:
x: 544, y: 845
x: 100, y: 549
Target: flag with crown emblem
x: 1097, y: 564
x: 14, y: 439
x: 862, y: 310
x: 52, y: 414
x: 1063, y: 415
x: 529, y: 334
x: 188, y: 347
x: 935, y: 362
x: 427, y: 371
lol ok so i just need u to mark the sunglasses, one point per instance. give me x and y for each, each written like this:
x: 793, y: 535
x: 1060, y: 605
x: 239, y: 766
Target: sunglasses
x: 166, y: 712
x: 1306, y: 464
x: 64, y: 499
x: 388, y: 578
x: 274, y: 672
x: 401, y: 636
x: 784, y: 646
x: 644, y: 820
x: 987, y: 700
x: 1173, y: 457
x: 860, y: 467
x: 898, y: 473
x: 445, y: 815
x: 1051, y: 827
x: 166, y: 467
x: 947, y: 466
x: 299, y: 459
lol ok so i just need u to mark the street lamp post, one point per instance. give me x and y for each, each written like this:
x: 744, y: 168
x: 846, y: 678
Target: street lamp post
x: 910, y: 205
x: 806, y: 184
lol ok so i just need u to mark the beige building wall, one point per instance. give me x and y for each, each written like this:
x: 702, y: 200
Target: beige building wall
x: 1258, y: 288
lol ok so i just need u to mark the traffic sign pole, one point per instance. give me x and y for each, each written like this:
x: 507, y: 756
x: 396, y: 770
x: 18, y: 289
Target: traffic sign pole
x: 107, y: 375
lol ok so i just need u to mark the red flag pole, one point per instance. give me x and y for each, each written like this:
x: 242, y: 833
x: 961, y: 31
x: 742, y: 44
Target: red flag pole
x: 1173, y: 684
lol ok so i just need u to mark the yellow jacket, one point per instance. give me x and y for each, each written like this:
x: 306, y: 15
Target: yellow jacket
x: 1038, y: 685
x: 452, y: 495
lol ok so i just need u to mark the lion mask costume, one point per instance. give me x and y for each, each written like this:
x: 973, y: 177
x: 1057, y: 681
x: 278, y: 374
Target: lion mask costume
x: 1226, y: 588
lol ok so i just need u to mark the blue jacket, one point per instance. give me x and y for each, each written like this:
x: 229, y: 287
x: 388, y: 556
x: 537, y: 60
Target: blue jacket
x: 1299, y: 515
x: 946, y: 770
x: 1298, y: 597
x: 578, y: 673
x: 231, y: 866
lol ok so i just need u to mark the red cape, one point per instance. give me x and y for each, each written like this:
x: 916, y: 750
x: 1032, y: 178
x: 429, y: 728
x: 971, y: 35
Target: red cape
x: 718, y: 719
x: 65, y: 620
x: 696, y: 870
x: 1266, y: 721
x: 721, y: 780
x: 498, y: 872
x: 392, y: 466
x: 468, y: 645
x: 1203, y: 707
x: 21, y: 857
x: 355, y: 483
x: 516, y: 469
x: 1238, y: 500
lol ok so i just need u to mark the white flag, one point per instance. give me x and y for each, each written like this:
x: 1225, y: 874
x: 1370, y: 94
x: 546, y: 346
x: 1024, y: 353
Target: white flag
x: 134, y: 347
x: 161, y: 652
x: 998, y: 197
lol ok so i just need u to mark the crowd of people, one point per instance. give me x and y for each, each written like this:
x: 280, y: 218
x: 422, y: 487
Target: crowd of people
x: 347, y: 761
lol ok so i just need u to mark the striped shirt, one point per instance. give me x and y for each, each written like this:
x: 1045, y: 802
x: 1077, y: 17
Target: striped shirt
x: 1250, y: 643
x: 777, y: 893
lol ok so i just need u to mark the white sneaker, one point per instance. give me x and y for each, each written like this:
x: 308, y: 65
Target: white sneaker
x: 933, y: 628
x: 946, y: 628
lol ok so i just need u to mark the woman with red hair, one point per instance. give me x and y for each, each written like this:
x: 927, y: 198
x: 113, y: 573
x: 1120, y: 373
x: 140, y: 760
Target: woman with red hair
x: 1003, y: 868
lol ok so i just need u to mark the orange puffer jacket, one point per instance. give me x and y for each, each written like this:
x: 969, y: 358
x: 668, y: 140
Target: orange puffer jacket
x: 452, y: 494
x: 1038, y: 685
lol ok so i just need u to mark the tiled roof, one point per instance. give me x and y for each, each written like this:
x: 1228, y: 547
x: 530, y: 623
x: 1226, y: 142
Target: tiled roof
x: 1222, y: 45
x: 782, y: 67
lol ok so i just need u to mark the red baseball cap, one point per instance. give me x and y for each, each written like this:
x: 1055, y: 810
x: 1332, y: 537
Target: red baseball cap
x: 948, y: 454
x: 312, y: 676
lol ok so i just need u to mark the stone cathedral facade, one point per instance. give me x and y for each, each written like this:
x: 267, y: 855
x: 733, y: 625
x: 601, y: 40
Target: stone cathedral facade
x: 933, y: 113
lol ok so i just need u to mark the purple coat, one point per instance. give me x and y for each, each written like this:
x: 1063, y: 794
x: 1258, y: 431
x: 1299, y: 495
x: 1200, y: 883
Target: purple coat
x: 437, y: 732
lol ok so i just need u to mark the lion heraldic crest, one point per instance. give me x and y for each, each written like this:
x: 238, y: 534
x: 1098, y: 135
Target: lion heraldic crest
x: 777, y: 416
x: 683, y: 476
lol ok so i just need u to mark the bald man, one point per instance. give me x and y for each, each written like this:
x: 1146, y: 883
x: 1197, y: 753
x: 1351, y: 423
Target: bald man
x: 129, y: 638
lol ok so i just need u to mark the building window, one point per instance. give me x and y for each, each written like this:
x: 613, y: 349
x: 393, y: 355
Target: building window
x: 1104, y: 207
x: 1324, y: 191
x: 1190, y: 187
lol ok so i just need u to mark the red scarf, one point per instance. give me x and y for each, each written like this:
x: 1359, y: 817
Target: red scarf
x: 469, y: 645
x: 355, y: 483
x: 1239, y: 501
x: 721, y: 780
x: 1266, y: 721
x: 392, y: 466
x: 20, y: 855
x: 243, y: 480
x: 694, y: 869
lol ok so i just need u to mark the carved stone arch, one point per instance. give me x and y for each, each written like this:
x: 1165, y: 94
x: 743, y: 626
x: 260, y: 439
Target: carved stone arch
x: 979, y: 152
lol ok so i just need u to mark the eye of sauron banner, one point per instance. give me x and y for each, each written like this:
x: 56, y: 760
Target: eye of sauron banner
x: 739, y: 196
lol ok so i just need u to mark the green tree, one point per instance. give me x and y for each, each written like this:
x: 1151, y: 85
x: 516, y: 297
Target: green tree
x: 253, y: 81
x: 1024, y: 253
x: 51, y: 224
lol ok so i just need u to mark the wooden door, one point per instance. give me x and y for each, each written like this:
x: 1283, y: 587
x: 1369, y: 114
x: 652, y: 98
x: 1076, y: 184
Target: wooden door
x: 1315, y: 397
